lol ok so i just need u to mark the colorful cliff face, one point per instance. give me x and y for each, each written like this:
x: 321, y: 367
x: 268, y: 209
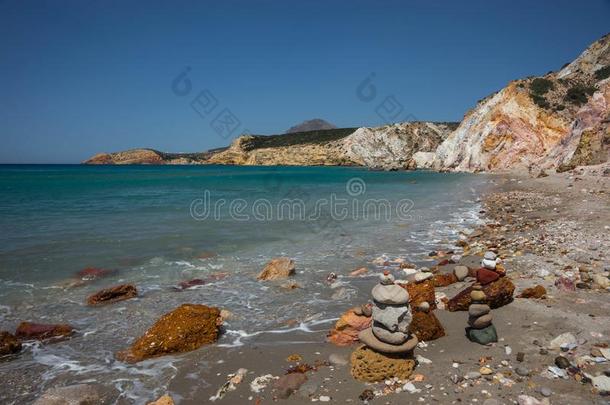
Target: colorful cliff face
x: 556, y: 121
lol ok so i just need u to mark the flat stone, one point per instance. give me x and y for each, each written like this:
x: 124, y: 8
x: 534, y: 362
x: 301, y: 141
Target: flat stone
x: 367, y: 337
x: 419, y: 277
x: 478, y: 310
x: 394, y: 338
x: 393, y: 318
x: 489, y: 255
x: 390, y: 294
x: 480, y: 322
x: 337, y: 360
x: 482, y: 336
x: 461, y: 272
x: 386, y: 279
x: 478, y: 296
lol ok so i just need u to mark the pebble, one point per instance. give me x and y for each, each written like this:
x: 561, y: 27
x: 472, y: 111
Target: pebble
x: 477, y: 295
x: 522, y: 371
x: 473, y: 375
x: 324, y: 398
x: 545, y: 391
x: 520, y: 356
x: 485, y: 370
x: 461, y: 272
x: 562, y: 362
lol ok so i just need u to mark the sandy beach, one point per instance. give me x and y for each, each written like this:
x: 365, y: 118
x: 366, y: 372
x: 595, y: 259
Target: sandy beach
x: 545, y: 230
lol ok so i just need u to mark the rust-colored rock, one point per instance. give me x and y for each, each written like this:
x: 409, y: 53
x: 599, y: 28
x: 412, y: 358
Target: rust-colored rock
x: 499, y: 293
x: 9, y: 344
x: 426, y: 326
x: 42, y: 331
x: 485, y: 276
x: 113, y: 294
x: 348, y: 326
x: 533, y: 292
x: 278, y: 268
x: 370, y: 366
x: 164, y: 400
x: 443, y: 280
x: 186, y: 328
x: 420, y: 292
x: 359, y: 272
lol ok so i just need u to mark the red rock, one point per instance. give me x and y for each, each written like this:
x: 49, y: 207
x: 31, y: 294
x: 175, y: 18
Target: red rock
x: 184, y: 329
x: 443, y: 280
x: 9, y: 344
x: 485, y: 276
x: 92, y: 273
x: 113, y: 294
x: 278, y: 268
x: 42, y: 331
x: 498, y: 293
x: 183, y: 285
x: 348, y: 326
x: 534, y: 292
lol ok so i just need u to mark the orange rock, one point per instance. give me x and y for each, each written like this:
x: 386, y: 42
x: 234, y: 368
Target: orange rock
x: 113, y: 294
x: 164, y: 400
x: 498, y: 293
x: 534, y: 292
x: 186, y: 328
x: 347, y: 328
x: 443, y: 280
x: 278, y: 268
x: 426, y: 326
x: 359, y: 272
x: 420, y: 292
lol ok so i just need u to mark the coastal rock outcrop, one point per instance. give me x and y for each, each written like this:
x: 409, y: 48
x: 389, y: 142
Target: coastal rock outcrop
x: 9, y: 344
x: 184, y: 329
x: 392, y: 147
x: 278, y: 268
x: 42, y: 331
x: 371, y: 366
x: 426, y: 326
x: 113, y: 294
x: 556, y: 121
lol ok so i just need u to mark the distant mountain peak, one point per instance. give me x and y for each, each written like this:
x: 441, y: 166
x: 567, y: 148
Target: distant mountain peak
x: 311, y: 125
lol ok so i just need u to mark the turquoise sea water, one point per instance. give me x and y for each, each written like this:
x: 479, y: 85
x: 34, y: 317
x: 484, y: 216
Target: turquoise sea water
x: 147, y: 224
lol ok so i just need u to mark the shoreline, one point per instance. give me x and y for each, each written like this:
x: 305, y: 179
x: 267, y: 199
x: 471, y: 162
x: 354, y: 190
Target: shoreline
x: 197, y: 375
x: 525, y: 326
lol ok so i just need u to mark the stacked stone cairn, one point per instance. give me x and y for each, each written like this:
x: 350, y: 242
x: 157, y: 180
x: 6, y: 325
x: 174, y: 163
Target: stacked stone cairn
x: 480, y: 329
x: 388, y: 345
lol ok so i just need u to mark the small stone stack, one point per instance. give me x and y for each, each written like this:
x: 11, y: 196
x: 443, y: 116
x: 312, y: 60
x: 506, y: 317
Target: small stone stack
x: 490, y: 260
x: 480, y: 329
x: 389, y: 345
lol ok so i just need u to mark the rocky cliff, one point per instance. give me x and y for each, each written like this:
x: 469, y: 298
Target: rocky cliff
x: 315, y: 124
x: 556, y: 121
x: 397, y: 146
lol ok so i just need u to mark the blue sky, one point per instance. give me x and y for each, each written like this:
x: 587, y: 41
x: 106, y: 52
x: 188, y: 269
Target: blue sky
x: 80, y: 77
